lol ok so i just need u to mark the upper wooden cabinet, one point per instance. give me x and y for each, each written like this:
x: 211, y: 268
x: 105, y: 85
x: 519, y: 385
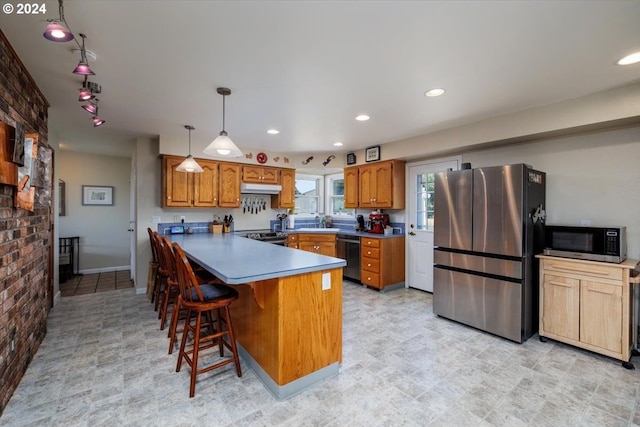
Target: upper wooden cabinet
x: 229, y: 189
x: 379, y: 185
x: 286, y: 199
x: 351, y: 187
x: 260, y: 174
x: 182, y: 189
x: 217, y: 186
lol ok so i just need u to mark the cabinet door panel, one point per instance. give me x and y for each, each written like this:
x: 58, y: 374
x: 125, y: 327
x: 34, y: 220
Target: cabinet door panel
x: 229, y: 188
x: 351, y: 188
x: 269, y: 176
x: 601, y: 315
x: 561, y: 306
x: 178, y: 185
x: 205, y: 188
x: 367, y: 186
x: 384, y: 186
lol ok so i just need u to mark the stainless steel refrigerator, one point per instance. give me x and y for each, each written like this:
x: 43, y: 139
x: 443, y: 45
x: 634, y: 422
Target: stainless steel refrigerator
x: 488, y: 227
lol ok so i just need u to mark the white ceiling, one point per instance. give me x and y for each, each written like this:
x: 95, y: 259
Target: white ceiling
x: 308, y: 68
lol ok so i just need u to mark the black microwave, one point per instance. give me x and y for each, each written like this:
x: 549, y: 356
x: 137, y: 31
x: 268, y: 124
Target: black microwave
x: 608, y: 244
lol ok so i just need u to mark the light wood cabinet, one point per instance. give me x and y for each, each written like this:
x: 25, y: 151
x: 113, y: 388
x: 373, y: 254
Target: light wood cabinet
x: 378, y: 185
x: 286, y: 199
x: 323, y: 244
x: 587, y: 304
x: 260, y: 174
x: 182, y: 189
x: 382, y: 261
x: 217, y: 186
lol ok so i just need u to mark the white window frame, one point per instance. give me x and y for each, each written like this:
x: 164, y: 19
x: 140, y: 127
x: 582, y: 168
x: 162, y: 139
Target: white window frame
x: 321, y: 196
x: 347, y: 213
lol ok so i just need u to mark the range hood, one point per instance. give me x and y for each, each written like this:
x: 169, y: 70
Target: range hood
x: 249, y: 188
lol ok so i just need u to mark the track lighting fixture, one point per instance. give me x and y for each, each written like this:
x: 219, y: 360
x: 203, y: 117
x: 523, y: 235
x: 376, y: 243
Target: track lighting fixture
x: 56, y: 31
x: 83, y: 65
x: 223, y: 146
x: 97, y: 122
x: 189, y: 164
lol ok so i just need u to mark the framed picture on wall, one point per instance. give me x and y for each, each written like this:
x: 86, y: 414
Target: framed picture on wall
x: 372, y: 154
x: 97, y: 195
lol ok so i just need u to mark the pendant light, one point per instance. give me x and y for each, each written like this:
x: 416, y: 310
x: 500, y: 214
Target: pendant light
x: 56, y: 31
x: 85, y: 92
x: 189, y: 164
x: 223, y: 146
x: 83, y: 65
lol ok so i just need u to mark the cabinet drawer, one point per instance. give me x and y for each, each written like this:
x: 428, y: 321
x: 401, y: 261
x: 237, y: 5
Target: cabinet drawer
x: 368, y: 242
x: 371, y: 264
x: 370, y: 279
x: 292, y: 238
x: 370, y: 253
x: 598, y: 271
x: 317, y: 237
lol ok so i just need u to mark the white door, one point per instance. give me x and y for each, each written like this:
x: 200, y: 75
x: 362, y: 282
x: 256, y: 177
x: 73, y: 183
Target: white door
x: 419, y: 229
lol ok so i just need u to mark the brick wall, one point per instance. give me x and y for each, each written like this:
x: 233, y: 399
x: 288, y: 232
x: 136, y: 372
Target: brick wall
x: 25, y: 236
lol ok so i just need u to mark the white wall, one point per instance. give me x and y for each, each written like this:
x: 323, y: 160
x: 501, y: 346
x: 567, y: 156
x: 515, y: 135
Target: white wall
x: 594, y: 176
x: 104, y: 239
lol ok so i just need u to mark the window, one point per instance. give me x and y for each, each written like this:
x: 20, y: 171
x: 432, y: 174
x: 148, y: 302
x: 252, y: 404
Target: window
x: 424, y: 198
x: 335, y: 196
x: 308, y: 194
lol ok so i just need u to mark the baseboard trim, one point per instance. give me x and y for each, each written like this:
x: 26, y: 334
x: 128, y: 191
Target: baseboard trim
x: 105, y: 269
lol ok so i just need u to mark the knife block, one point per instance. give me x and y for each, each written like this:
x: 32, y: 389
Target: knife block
x: 215, y: 228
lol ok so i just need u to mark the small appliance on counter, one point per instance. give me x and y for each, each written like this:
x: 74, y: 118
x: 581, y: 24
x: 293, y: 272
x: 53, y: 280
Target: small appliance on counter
x: 360, y: 226
x: 378, y: 222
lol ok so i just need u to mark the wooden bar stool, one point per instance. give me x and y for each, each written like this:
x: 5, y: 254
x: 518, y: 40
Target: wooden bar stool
x: 171, y: 288
x: 153, y: 266
x: 199, y: 300
x: 161, y: 272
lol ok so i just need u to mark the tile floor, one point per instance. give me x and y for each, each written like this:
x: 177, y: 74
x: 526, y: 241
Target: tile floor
x: 104, y: 362
x: 99, y: 282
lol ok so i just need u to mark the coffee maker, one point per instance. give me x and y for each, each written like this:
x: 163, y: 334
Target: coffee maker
x: 378, y: 222
x: 360, y: 226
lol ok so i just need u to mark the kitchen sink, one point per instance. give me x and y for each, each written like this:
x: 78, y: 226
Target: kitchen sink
x: 321, y: 230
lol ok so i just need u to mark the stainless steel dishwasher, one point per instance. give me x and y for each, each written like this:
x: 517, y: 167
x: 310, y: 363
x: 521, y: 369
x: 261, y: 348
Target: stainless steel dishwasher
x: 348, y: 248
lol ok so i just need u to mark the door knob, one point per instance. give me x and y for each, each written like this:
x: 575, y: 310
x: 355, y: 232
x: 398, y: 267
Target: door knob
x: 411, y: 233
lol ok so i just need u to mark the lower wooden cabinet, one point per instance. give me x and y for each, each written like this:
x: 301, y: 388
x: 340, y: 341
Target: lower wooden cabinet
x: 323, y: 244
x: 381, y: 261
x: 587, y: 304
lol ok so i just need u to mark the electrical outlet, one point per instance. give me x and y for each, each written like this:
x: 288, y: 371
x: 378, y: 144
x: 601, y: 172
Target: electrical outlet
x: 182, y: 218
x: 326, y: 281
x: 176, y: 218
x: 585, y: 222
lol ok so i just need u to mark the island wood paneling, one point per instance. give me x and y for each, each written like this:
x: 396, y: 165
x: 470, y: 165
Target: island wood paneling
x: 298, y: 329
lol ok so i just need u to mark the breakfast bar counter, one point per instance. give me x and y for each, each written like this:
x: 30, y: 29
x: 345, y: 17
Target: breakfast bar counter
x: 288, y: 319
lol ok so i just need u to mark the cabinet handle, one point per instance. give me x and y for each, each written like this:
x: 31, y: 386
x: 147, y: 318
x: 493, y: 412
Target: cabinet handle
x: 599, y: 291
x: 554, y: 283
x: 369, y: 253
x: 368, y: 265
x: 579, y: 270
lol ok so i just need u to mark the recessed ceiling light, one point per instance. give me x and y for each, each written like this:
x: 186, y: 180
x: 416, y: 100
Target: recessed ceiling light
x: 434, y: 92
x: 338, y: 144
x: 273, y: 131
x: 362, y: 118
x: 630, y: 59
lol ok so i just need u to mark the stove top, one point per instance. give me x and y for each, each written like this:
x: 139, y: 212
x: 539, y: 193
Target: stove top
x: 272, y: 235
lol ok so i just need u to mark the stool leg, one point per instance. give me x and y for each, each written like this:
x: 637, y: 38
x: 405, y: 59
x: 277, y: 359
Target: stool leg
x: 173, y: 326
x: 194, y: 356
x: 165, y: 306
x: 183, y: 342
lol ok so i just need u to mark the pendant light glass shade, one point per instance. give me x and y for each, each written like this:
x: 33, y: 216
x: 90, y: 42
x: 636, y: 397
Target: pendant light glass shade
x: 85, y: 95
x: 97, y: 122
x: 189, y: 164
x: 91, y: 108
x: 83, y: 66
x: 223, y: 146
x: 55, y: 31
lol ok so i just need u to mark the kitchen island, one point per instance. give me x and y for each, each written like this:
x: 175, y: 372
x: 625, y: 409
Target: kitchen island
x: 288, y: 319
